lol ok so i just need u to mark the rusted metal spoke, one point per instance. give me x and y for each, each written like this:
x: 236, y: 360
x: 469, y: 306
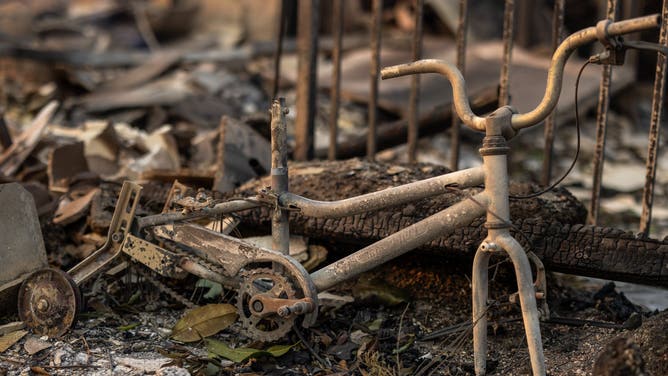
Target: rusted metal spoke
x: 508, y: 31
x: 334, y: 93
x: 557, y: 31
x: 462, y: 27
x: 655, y: 122
x: 307, y: 41
x: 374, y: 74
x: 280, y: 34
x: 601, y: 127
x: 413, y: 110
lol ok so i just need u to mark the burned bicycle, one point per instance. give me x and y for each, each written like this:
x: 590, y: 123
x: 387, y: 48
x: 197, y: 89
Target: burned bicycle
x: 274, y: 290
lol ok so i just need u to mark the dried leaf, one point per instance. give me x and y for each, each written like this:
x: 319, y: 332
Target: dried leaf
x: 242, y: 353
x: 39, y: 370
x: 9, y: 339
x: 204, y: 321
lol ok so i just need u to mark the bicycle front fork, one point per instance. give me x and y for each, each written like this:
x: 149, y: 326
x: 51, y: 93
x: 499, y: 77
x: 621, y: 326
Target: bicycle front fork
x: 494, y: 152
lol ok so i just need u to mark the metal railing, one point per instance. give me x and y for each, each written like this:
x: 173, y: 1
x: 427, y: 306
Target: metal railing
x: 306, y: 90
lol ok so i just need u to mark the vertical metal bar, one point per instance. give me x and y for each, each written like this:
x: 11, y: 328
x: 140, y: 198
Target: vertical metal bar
x: 601, y: 127
x: 413, y: 110
x: 376, y: 22
x: 461, y: 65
x: 334, y: 93
x: 280, y: 232
x: 220, y: 183
x: 557, y: 31
x: 307, y: 42
x: 279, y: 48
x: 654, y: 126
x: 508, y: 28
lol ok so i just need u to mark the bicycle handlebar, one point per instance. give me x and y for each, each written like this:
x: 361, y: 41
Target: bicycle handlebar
x: 554, y: 76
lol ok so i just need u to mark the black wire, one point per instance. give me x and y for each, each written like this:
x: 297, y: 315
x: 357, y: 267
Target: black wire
x: 577, y: 149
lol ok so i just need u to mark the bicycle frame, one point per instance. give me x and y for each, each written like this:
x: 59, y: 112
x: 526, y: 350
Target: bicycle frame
x: 493, y: 201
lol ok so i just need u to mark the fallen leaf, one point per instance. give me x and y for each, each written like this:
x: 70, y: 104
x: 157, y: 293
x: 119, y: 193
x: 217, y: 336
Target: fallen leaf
x: 242, y: 353
x: 39, y: 370
x: 10, y: 339
x: 204, y: 321
x: 33, y: 345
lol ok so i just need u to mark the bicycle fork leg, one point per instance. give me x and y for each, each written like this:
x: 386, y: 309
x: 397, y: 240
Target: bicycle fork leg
x: 527, y: 296
x: 479, y: 288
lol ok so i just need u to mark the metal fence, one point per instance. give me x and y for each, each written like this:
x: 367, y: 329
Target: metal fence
x: 306, y: 88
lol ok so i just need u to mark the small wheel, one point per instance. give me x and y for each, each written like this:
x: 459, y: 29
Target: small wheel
x: 263, y: 281
x: 49, y: 301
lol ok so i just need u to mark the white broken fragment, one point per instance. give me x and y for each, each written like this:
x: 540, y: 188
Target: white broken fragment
x: 149, y: 365
x: 33, y: 345
x: 172, y: 371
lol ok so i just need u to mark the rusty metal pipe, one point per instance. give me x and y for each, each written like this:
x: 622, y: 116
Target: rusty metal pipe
x: 222, y: 208
x: 402, y: 194
x: 280, y: 233
x: 548, y: 131
x: 413, y: 102
x: 601, y: 129
x: 654, y: 126
x: 335, y: 91
x: 376, y: 24
x: 307, y: 76
x: 455, y: 127
x: 400, y: 242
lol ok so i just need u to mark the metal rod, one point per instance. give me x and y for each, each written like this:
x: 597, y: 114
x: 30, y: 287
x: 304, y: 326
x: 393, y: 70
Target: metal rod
x: 527, y: 295
x: 394, y: 196
x: 376, y: 23
x: 222, y: 208
x: 280, y: 35
x: 508, y: 30
x: 428, y: 229
x: 334, y: 93
x: 462, y: 28
x: 654, y: 126
x: 280, y: 232
x: 548, y: 132
x: 601, y: 128
x: 307, y: 39
x: 219, y: 181
x: 413, y: 105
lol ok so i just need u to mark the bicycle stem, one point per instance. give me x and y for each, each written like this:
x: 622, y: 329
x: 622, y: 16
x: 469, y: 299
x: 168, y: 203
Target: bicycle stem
x: 554, y: 76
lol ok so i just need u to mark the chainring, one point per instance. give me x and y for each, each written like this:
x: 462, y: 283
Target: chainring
x: 264, y: 281
x: 49, y: 302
